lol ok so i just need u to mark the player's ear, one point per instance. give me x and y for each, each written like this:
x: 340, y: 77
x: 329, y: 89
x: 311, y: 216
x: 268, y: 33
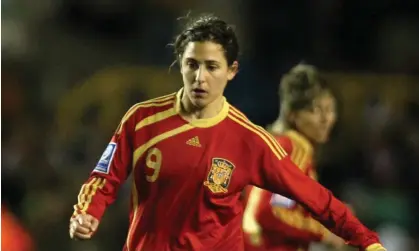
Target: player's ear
x: 233, y: 69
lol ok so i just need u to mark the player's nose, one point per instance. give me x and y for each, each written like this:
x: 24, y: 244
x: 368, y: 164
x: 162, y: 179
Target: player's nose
x: 200, y: 74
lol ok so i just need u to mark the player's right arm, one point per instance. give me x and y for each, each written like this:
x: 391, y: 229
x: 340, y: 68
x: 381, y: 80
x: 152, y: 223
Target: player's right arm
x: 293, y: 220
x: 274, y: 171
x: 101, y: 188
x: 290, y: 221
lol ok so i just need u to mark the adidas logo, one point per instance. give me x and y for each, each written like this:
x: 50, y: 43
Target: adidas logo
x: 194, y: 142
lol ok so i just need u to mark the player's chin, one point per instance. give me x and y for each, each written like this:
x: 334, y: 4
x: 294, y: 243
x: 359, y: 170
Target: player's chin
x: 199, y: 102
x: 321, y: 139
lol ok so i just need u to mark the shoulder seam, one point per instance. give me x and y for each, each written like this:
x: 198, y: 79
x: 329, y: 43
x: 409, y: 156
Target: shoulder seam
x: 271, y: 142
x: 234, y: 109
x: 156, y: 117
x: 159, y: 101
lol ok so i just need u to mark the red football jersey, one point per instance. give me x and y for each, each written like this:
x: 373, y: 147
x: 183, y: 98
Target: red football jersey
x: 286, y: 225
x: 189, y: 175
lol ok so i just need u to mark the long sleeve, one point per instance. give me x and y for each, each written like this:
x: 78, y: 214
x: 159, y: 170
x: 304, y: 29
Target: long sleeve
x: 275, y: 172
x: 274, y: 212
x: 292, y: 218
x: 112, y: 169
x: 297, y: 224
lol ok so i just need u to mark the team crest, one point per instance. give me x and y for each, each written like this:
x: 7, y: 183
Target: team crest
x: 219, y: 175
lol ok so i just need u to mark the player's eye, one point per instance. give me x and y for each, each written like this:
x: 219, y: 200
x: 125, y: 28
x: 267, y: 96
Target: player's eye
x: 212, y: 67
x: 192, y: 65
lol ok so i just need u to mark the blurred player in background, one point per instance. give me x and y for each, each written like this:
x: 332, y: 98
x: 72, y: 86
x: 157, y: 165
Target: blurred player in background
x: 191, y: 155
x: 308, y: 114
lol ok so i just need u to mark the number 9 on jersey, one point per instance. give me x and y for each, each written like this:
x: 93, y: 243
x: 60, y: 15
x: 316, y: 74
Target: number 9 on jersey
x: 153, y: 161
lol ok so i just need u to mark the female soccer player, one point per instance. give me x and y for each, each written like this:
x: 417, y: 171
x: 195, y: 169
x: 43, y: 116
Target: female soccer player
x: 191, y: 154
x: 273, y: 222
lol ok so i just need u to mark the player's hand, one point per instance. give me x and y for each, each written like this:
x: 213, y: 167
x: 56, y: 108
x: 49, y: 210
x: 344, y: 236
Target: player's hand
x: 334, y: 240
x: 83, y: 226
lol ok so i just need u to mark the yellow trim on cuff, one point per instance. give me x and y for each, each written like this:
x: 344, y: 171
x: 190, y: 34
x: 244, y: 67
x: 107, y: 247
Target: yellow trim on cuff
x: 375, y: 247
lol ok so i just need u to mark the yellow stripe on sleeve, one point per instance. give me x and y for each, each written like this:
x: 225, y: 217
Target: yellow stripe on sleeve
x: 81, y: 196
x: 278, y: 151
x: 98, y: 184
x: 239, y: 113
x: 87, y: 192
x: 167, y: 100
x: 268, y: 136
x: 156, y: 118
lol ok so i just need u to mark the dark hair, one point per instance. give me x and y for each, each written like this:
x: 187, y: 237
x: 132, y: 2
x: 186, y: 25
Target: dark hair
x: 208, y: 27
x: 300, y: 86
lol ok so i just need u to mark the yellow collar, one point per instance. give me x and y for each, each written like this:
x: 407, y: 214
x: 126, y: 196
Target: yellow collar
x: 203, y: 123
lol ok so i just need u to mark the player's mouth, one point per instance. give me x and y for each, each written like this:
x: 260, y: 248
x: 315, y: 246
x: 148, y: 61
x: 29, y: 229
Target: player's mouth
x: 199, y: 93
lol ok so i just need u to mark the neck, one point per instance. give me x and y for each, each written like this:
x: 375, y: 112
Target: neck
x: 194, y: 112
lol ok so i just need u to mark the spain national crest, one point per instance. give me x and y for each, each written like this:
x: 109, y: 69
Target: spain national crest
x: 219, y: 175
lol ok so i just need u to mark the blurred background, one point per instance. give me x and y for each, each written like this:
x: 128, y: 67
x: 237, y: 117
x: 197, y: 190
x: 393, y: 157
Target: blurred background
x: 70, y: 70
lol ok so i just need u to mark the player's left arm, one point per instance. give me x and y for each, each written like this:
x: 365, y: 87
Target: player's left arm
x: 275, y: 171
x: 113, y: 168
